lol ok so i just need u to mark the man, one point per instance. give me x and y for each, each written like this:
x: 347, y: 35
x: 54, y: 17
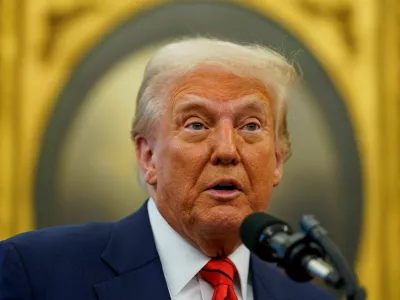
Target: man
x: 211, y: 139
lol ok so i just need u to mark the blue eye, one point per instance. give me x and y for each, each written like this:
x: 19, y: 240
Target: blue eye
x: 251, y: 126
x: 196, y: 126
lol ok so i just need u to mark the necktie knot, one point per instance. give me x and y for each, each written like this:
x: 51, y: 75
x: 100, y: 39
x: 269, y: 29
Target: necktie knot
x: 220, y: 272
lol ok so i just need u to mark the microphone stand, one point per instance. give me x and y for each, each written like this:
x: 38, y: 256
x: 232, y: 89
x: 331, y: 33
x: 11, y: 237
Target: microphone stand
x: 313, y: 229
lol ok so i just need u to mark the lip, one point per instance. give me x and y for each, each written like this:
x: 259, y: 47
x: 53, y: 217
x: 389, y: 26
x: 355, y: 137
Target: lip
x: 224, y: 195
x: 226, y: 181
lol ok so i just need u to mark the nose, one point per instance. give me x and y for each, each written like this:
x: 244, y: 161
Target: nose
x: 225, y: 147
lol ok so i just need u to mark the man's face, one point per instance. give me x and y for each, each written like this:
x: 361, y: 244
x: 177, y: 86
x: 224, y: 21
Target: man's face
x: 214, y: 158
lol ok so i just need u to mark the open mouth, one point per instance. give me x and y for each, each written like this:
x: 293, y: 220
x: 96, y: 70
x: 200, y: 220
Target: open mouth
x: 225, y: 187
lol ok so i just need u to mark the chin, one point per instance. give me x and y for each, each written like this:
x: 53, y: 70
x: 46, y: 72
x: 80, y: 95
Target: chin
x: 229, y: 213
x: 222, y: 220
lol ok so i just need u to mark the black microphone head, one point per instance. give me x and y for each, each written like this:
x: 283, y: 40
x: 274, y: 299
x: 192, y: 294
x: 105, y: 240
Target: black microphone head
x: 252, y: 228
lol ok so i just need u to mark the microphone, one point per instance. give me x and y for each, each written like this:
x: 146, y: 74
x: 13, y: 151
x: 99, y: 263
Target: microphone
x: 273, y: 240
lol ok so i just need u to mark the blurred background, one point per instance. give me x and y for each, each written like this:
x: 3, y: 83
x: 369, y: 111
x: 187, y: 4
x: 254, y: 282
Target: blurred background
x: 70, y: 71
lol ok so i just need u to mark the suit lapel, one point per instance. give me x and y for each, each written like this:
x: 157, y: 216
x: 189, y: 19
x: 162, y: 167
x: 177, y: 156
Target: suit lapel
x: 147, y: 282
x: 131, y: 253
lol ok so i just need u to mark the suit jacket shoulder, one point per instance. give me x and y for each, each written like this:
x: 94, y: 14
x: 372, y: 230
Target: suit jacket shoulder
x: 106, y: 261
x: 47, y: 259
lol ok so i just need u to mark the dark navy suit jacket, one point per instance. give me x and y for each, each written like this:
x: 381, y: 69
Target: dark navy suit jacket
x: 110, y: 261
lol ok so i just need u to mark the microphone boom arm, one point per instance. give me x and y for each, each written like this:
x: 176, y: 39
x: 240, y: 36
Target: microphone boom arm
x: 313, y: 229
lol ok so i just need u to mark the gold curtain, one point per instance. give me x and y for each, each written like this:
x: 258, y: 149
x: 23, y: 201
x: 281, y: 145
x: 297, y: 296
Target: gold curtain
x: 357, y: 42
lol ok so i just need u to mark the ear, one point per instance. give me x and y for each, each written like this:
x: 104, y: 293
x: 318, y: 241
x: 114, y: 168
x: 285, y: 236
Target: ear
x: 278, y: 172
x: 146, y: 159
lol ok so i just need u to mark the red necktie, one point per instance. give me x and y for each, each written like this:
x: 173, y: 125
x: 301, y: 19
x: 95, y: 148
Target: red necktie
x: 220, y: 272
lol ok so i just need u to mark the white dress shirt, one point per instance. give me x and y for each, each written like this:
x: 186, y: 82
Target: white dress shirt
x: 181, y: 263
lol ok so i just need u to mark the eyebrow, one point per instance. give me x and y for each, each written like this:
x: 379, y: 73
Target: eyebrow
x: 194, y: 102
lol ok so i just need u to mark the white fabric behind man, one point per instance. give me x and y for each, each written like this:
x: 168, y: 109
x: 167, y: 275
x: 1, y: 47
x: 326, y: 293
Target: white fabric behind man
x: 181, y: 263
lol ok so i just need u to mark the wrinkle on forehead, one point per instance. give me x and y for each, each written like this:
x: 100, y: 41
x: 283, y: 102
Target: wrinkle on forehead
x: 249, y: 102
x: 216, y: 84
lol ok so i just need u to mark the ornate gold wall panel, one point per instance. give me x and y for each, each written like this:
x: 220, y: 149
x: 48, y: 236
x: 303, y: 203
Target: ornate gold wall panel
x: 15, y: 205
x: 41, y: 43
x: 379, y: 261
x: 357, y: 42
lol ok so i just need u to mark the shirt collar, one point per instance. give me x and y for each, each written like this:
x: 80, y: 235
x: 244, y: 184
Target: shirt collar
x: 181, y: 261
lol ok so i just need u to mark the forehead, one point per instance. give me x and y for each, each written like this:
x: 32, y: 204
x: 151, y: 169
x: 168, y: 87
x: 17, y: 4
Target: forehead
x: 247, y: 104
x: 217, y: 86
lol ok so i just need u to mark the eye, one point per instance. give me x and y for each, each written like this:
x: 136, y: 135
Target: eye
x: 195, y: 126
x: 251, y: 126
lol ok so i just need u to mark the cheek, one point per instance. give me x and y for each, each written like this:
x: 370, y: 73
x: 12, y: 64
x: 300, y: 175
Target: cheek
x: 180, y: 167
x: 261, y: 175
x: 260, y: 163
x: 182, y: 163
